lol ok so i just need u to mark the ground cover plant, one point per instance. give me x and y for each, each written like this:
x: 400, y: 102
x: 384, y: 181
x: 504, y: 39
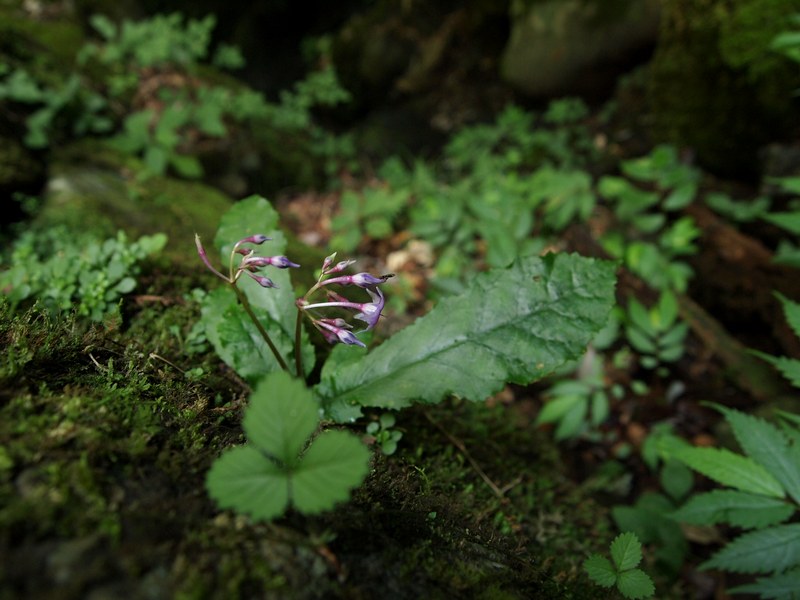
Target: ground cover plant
x: 555, y: 354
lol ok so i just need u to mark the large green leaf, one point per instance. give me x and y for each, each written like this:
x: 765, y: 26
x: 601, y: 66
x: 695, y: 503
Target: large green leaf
x: 767, y: 444
x: 512, y: 325
x: 233, y: 335
x: 731, y: 469
x: 737, y: 508
x: 263, y: 478
x: 763, y: 551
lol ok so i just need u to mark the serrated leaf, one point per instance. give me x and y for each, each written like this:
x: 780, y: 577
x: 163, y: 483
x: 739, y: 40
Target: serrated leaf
x: 512, y: 325
x: 791, y: 310
x: 733, y: 470
x: 600, y: 570
x: 767, y: 445
x: 736, y: 508
x: 264, y: 477
x: 783, y: 586
x: 335, y: 463
x: 281, y: 417
x: 626, y: 551
x: 763, y: 551
x: 635, y: 584
x: 247, y: 481
x: 788, y: 367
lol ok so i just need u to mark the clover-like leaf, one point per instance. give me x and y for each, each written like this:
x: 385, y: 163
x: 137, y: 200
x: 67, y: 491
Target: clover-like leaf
x: 600, y: 570
x: 635, y: 584
x: 272, y: 472
x: 626, y: 551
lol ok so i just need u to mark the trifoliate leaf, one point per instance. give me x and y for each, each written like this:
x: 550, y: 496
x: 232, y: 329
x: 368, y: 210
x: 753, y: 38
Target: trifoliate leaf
x: 635, y: 584
x: 600, y: 570
x: 512, y: 325
x: 763, y: 551
x: 741, y: 509
x: 734, y: 470
x: 626, y: 551
x: 263, y: 478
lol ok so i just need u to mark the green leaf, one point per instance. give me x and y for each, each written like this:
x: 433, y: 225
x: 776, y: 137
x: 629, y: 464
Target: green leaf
x: 676, y: 479
x: 247, y: 481
x: 235, y: 338
x: 281, y: 417
x: 512, y: 325
x: 790, y: 221
x: 640, y: 341
x: 791, y: 310
x: 767, y: 445
x: 763, y: 551
x: 783, y: 586
x: 335, y: 463
x: 600, y: 570
x: 741, y: 509
x: 635, y: 584
x: 734, y: 470
x: 626, y: 551
x: 555, y: 409
x: 788, y: 367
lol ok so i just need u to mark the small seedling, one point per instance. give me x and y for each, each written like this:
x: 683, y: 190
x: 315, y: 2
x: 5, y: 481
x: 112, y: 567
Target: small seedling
x: 626, y: 554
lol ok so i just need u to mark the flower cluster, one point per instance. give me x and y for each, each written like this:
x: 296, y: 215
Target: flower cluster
x: 250, y: 264
x: 338, y: 329
x: 334, y: 329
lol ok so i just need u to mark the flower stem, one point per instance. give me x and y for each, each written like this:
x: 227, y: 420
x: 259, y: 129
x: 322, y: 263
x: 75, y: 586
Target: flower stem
x: 259, y: 326
x: 298, y: 355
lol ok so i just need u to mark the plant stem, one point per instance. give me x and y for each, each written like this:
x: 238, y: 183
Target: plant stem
x: 259, y: 326
x: 298, y: 355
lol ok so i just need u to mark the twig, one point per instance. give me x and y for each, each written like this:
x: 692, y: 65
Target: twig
x: 499, y: 492
x: 169, y: 362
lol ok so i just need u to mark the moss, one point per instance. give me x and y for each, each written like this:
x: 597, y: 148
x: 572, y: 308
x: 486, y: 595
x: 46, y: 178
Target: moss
x: 712, y: 90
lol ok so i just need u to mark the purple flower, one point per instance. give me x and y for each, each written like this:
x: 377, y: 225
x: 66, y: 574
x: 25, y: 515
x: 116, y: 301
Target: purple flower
x: 262, y: 281
x: 371, y: 311
x: 333, y: 333
x: 281, y: 262
x: 362, y: 280
x: 254, y: 239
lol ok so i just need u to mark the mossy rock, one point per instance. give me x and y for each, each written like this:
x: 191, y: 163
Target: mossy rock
x: 92, y: 186
x: 715, y: 86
